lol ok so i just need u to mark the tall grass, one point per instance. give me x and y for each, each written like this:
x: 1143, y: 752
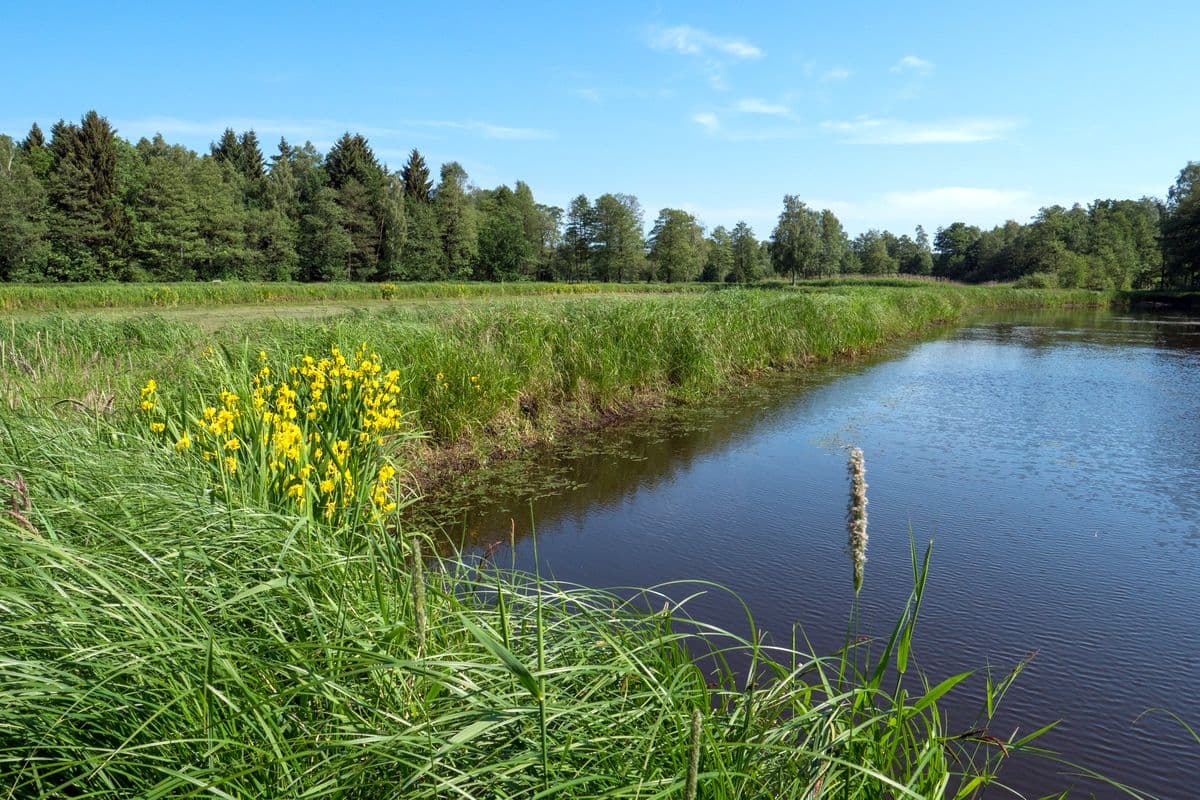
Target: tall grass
x: 152, y: 644
x: 65, y: 297
x: 532, y: 358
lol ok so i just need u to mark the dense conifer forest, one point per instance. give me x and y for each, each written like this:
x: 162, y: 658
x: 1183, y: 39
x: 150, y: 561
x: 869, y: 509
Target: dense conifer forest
x: 84, y: 204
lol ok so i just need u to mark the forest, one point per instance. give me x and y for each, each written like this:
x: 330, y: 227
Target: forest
x: 85, y: 205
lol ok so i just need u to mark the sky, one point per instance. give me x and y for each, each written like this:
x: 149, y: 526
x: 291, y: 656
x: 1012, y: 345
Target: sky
x: 890, y: 114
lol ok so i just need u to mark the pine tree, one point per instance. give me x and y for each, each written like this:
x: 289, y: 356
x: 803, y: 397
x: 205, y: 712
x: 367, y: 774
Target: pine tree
x: 37, y: 155
x: 417, y: 185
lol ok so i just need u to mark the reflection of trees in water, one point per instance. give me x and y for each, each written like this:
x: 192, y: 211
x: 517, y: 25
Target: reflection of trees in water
x: 1040, y: 330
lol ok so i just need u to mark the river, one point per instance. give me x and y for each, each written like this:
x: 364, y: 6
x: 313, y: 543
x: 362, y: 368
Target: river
x: 1053, y: 458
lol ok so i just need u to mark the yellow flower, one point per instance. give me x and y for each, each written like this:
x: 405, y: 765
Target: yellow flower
x: 183, y: 444
x: 386, y: 473
x: 147, y: 405
x: 231, y: 464
x: 326, y: 486
x: 149, y: 388
x: 157, y: 427
x: 233, y: 444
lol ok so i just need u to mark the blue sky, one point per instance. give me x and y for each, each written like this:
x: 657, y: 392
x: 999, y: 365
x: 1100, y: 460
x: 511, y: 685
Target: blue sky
x: 889, y: 115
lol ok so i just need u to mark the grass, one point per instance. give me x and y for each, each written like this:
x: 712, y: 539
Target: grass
x: 162, y: 636
x: 68, y: 297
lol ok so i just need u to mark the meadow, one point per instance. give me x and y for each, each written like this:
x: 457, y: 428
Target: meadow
x: 209, y: 587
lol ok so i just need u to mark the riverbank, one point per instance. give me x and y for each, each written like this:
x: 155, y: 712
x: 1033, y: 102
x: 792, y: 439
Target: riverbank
x: 165, y: 634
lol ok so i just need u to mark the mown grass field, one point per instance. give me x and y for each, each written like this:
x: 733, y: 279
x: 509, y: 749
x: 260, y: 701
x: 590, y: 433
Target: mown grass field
x: 173, y: 624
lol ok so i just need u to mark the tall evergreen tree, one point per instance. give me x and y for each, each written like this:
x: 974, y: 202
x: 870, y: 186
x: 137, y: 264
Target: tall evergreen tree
x: 88, y: 224
x: 37, y: 154
x: 228, y: 150
x: 417, y: 185
x: 250, y: 157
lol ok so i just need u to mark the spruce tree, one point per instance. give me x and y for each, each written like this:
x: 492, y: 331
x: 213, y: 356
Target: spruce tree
x: 417, y: 184
x: 250, y: 157
x: 228, y: 150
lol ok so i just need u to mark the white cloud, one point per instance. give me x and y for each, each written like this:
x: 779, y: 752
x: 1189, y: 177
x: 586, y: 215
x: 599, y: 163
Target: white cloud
x: 706, y: 120
x: 874, y: 130
x: 691, y: 41
x: 914, y: 64
x: 753, y: 105
x: 836, y: 74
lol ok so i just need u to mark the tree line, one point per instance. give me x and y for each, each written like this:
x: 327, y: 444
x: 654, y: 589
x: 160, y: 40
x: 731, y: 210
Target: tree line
x: 88, y: 205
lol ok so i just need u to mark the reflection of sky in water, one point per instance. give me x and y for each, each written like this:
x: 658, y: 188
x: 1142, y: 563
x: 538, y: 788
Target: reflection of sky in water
x: 1053, y: 456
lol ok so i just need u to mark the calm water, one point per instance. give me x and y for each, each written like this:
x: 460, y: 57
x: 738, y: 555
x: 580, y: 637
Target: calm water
x: 1054, y: 460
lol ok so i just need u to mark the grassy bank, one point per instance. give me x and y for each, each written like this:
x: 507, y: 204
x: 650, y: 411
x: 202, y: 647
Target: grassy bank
x: 170, y: 625
x: 74, y: 297
x: 530, y: 359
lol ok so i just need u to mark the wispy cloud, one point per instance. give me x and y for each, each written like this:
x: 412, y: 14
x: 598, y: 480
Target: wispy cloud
x: 753, y: 105
x: 589, y: 94
x: 490, y: 131
x: 707, y: 120
x: 913, y: 64
x: 323, y: 130
x: 875, y: 130
x: 836, y: 74
x: 691, y: 41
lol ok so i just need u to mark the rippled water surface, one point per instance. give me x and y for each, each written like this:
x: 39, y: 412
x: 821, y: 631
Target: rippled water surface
x: 1054, y: 460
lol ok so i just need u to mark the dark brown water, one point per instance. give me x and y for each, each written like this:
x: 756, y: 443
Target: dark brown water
x: 1054, y: 460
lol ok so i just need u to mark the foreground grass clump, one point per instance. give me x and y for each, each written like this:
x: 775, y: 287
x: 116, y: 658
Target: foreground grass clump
x: 157, y: 640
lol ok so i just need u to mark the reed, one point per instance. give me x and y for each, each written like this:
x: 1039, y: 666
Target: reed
x: 856, y: 516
